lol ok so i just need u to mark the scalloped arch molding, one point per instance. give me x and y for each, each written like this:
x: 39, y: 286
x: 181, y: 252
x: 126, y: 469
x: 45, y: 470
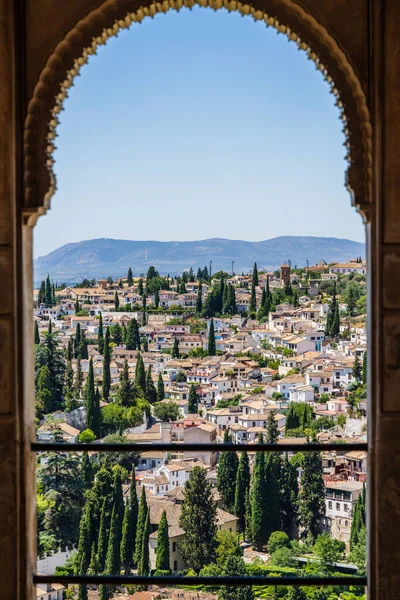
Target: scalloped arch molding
x: 288, y: 18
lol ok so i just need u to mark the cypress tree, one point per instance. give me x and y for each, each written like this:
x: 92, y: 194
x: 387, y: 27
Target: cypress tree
x: 126, y: 541
x: 87, y: 471
x: 130, y: 277
x: 84, y: 543
x: 272, y: 428
x: 234, y: 565
x: 272, y: 478
x: 292, y: 419
x: 103, y: 538
x: 151, y: 392
x: 144, y: 310
x: 134, y: 512
x: 226, y: 475
x: 77, y: 307
x: 49, y: 292
x: 289, y: 495
x: 364, y: 368
x: 93, y: 567
x: 312, y: 493
x: 140, y: 374
x: 68, y: 390
x: 253, y: 300
x: 42, y: 293
x: 116, y: 300
x: 175, y: 349
x: 199, y: 300
x: 106, y: 365
x: 198, y: 520
x: 211, y: 340
x: 141, y: 521
x: 145, y: 344
x: 144, y: 562
x: 160, y: 388
x: 259, y: 514
x: 241, y: 486
x: 116, y: 334
x: 357, y: 369
x: 93, y: 416
x: 233, y: 307
x: 355, y: 525
x: 36, y: 336
x: 255, y: 274
x: 78, y: 383
x: 125, y: 389
x: 100, y: 335
x: 113, y: 565
x: 133, y: 336
x: 193, y: 400
x: 157, y: 298
x: 162, y: 554
x: 69, y: 353
x: 82, y: 592
x: 140, y: 287
x: 335, y: 329
x: 54, y: 300
x: 104, y: 592
x: 118, y: 502
x: 78, y: 342
x: 248, y: 520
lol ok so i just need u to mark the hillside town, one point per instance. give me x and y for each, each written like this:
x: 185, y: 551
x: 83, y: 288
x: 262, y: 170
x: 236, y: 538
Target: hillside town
x: 277, y: 357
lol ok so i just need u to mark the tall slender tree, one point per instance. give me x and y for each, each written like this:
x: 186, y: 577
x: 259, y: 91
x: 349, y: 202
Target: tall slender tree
x: 198, y: 520
x: 140, y: 374
x: 253, y: 299
x: 199, y: 300
x: 357, y: 369
x: 116, y: 300
x: 156, y: 298
x: 175, y: 349
x: 144, y: 561
x: 226, y: 476
x: 36, y: 336
x: 312, y: 493
x: 160, y: 388
x: 144, y: 309
x: 289, y: 495
x: 259, y: 509
x: 248, y: 520
x: 93, y: 415
x: 141, y: 522
x: 255, y: 275
x: 364, y: 368
x: 103, y: 537
x: 272, y: 478
x: 193, y: 404
x: 100, y: 334
x: 113, y: 560
x: 78, y: 382
x: 130, y: 277
x: 211, y: 340
x: 242, y: 486
x: 151, y: 392
x: 162, y: 553
x: 106, y: 365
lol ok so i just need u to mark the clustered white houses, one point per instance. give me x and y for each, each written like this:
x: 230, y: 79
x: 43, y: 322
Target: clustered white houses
x: 236, y: 394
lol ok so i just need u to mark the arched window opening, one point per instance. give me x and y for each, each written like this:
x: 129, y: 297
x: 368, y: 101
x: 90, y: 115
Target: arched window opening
x: 150, y: 354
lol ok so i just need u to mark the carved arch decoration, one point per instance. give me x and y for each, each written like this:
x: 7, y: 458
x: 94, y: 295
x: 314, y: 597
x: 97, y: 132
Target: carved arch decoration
x: 112, y: 16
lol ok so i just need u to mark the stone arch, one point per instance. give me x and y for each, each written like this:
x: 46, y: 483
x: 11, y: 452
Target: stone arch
x: 288, y: 18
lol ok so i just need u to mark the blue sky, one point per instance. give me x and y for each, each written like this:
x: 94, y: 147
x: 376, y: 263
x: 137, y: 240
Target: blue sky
x: 195, y: 125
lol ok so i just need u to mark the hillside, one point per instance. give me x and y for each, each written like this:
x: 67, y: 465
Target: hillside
x: 104, y: 256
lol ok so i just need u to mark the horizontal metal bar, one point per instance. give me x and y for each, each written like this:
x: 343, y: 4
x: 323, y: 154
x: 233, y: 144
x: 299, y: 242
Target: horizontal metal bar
x: 176, y: 580
x: 183, y: 447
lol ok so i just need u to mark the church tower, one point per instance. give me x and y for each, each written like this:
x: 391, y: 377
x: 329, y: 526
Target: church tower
x: 285, y: 275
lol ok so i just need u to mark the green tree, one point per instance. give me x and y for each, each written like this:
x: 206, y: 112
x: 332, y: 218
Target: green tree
x: 329, y: 551
x: 103, y: 537
x: 87, y: 471
x: 130, y: 277
x: 144, y: 561
x: 140, y: 374
x: 106, y: 365
x: 144, y: 309
x: 42, y: 293
x: 335, y: 329
x: 127, y: 540
x: 93, y: 415
x: 255, y: 275
x: 242, y: 486
x: 278, y: 539
x: 36, y: 336
x: 312, y: 493
x: 84, y: 544
x: 211, y: 340
x: 199, y: 300
x: 162, y: 553
x: 357, y: 369
x: 140, y: 287
x: 364, y: 368
x: 226, y: 476
x: 259, y: 509
x: 113, y: 560
x: 248, y: 519
x: 166, y: 411
x: 198, y: 520
x: 253, y: 299
x: 49, y: 292
x: 227, y: 546
x: 125, y: 393
x: 175, y: 349
x: 289, y: 495
x: 116, y: 301
x: 358, y: 554
x: 68, y: 391
x: 156, y: 298
x: 160, y: 388
x: 133, y: 336
x: 292, y: 419
x: 151, y: 392
x: 44, y: 395
x: 116, y: 334
x: 193, y: 405
x: 141, y: 522
x: 100, y: 334
x: 296, y: 593
x: 78, y: 382
x: 234, y: 565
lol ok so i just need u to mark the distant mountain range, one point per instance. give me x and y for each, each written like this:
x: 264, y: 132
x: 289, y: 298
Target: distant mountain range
x: 104, y: 256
